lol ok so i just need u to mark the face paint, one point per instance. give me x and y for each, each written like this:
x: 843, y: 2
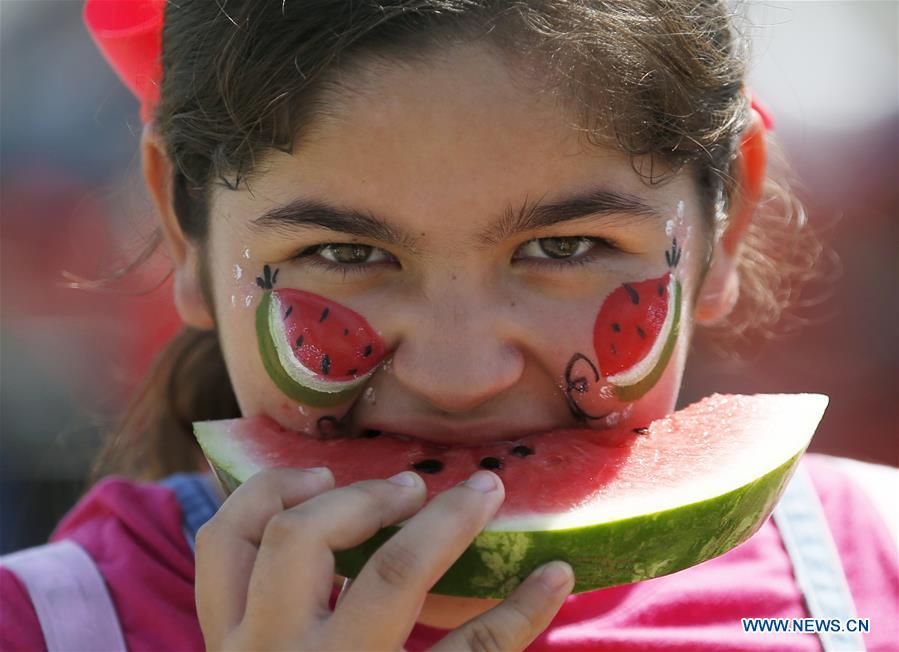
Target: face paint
x: 318, y: 352
x: 633, y: 337
x: 636, y: 330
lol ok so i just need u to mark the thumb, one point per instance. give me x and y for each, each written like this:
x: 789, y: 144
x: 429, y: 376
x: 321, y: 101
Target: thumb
x: 520, y: 618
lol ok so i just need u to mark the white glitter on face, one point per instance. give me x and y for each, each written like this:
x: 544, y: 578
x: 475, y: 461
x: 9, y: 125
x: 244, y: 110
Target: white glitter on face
x: 246, y: 253
x: 369, y: 395
x: 238, y: 272
x: 669, y: 228
x: 606, y: 392
x: 233, y: 301
x: 248, y: 300
x: 680, y: 210
x: 302, y: 409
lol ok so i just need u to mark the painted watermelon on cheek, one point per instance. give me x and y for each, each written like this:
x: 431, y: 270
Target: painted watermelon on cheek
x: 636, y: 331
x: 317, y: 352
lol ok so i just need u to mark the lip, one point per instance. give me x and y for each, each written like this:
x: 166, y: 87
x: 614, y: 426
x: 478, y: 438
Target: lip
x: 441, y: 434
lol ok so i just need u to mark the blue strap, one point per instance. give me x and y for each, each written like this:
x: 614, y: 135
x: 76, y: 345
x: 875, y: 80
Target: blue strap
x: 198, y: 501
x: 816, y: 562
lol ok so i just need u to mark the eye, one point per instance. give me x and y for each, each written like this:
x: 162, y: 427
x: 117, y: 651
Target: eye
x: 352, y: 253
x: 556, y: 248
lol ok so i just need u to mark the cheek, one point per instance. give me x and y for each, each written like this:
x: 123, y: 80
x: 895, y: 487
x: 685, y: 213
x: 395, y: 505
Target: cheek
x: 297, y: 356
x: 635, y: 358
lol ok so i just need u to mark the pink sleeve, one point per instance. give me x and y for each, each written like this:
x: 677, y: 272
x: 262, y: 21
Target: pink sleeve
x: 19, y: 627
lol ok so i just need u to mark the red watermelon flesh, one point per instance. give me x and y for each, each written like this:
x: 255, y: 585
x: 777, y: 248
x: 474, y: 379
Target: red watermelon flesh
x: 328, y: 339
x: 721, y: 441
x: 629, y: 323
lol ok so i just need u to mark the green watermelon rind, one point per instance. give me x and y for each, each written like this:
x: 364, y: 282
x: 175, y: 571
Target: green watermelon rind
x: 279, y: 375
x: 638, y: 389
x: 605, y: 554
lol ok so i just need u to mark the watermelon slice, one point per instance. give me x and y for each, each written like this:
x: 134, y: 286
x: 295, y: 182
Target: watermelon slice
x: 318, y: 352
x: 620, y: 506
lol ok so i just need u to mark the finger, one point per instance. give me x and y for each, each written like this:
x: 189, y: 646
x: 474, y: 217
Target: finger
x: 226, y: 546
x: 519, y: 619
x: 295, y: 564
x: 388, y: 593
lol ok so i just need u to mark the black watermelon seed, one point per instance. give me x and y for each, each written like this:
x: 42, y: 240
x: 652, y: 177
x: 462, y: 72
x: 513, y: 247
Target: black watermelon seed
x: 491, y: 463
x: 616, y: 327
x: 367, y: 350
x: 371, y: 434
x: 641, y: 431
x: 326, y: 364
x: 428, y: 466
x: 352, y: 372
x: 522, y: 451
x: 289, y: 310
x: 632, y: 293
x: 346, y: 331
x: 614, y: 350
x: 325, y: 314
x: 641, y: 333
x: 661, y: 290
x: 300, y: 341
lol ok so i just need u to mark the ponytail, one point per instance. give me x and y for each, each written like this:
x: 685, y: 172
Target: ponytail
x: 188, y: 382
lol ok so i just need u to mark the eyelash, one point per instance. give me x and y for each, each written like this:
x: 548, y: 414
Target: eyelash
x: 311, y: 256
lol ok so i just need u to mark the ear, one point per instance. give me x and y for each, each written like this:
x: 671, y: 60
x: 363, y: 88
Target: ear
x: 721, y: 285
x: 158, y: 177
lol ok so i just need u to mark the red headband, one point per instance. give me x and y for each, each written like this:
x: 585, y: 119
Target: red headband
x: 129, y: 34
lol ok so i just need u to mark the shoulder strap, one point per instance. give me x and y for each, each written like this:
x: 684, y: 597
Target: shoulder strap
x: 198, y: 501
x: 816, y: 563
x: 69, y: 596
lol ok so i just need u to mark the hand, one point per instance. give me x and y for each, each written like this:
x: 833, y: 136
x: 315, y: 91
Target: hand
x: 265, y: 565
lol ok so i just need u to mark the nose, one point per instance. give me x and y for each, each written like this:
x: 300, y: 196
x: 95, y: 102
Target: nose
x: 457, y: 355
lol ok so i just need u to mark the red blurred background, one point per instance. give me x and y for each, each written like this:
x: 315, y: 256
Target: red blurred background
x: 71, y: 202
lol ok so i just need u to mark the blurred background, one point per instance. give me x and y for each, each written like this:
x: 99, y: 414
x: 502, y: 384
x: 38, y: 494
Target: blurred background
x: 71, y: 205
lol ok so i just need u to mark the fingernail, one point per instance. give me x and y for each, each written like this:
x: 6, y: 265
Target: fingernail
x: 482, y: 481
x: 404, y: 479
x: 321, y: 470
x: 555, y: 575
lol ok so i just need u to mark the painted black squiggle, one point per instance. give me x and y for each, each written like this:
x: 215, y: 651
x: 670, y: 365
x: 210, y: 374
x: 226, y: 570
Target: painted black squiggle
x: 580, y: 385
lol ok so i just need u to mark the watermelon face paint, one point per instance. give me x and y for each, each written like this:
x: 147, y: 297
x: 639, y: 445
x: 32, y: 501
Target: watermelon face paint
x: 636, y: 331
x: 317, y: 352
x: 633, y: 337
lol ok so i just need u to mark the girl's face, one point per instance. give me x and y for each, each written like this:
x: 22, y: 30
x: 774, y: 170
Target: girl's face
x: 518, y: 278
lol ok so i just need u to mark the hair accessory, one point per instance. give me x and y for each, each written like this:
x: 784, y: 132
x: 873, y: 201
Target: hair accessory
x: 129, y: 34
x: 762, y: 109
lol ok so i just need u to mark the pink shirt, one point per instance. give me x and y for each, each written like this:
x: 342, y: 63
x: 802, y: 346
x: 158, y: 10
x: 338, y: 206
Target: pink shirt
x: 133, y: 532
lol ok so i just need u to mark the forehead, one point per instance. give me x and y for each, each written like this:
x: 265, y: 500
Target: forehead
x: 450, y: 141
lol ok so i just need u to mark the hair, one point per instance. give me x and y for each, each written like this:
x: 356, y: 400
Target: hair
x: 662, y: 80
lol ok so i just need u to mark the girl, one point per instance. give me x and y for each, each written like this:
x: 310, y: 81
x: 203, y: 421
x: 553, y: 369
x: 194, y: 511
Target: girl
x: 470, y: 179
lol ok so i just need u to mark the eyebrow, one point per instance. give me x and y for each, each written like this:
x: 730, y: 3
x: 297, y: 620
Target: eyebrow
x: 596, y: 202
x: 306, y: 213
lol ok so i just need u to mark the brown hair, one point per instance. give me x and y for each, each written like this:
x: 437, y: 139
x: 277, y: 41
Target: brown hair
x: 660, y: 79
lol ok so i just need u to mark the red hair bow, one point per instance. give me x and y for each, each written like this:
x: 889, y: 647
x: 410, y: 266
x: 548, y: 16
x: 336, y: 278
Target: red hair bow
x: 129, y: 34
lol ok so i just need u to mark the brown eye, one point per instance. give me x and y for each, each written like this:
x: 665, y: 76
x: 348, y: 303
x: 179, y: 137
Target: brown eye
x: 561, y: 247
x: 352, y: 253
